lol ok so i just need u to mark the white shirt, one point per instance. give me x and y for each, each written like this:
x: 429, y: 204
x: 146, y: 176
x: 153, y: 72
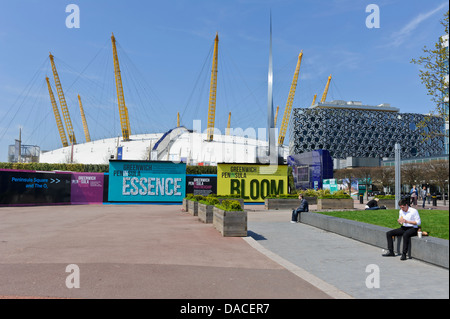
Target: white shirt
x: 411, y: 215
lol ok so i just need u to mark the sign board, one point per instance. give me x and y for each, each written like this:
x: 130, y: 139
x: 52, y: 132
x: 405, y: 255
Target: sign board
x: 87, y: 188
x: 201, y: 184
x: 30, y: 187
x: 146, y: 181
x: 252, y: 182
x: 330, y: 184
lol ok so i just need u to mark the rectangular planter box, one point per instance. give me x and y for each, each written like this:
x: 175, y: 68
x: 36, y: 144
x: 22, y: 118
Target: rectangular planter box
x: 287, y: 203
x: 335, y: 203
x: 389, y: 203
x: 281, y: 203
x: 185, y: 204
x: 205, y: 213
x: 193, y: 207
x: 311, y: 200
x: 230, y: 224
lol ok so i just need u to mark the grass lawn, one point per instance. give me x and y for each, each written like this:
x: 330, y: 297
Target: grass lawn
x: 435, y: 222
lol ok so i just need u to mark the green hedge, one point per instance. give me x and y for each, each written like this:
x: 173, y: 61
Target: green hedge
x: 195, y: 170
x: 334, y: 196
x: 94, y: 168
x: 385, y: 196
x: 83, y: 168
x: 291, y: 196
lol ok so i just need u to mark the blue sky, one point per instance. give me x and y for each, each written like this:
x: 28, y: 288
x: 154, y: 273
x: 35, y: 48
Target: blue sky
x: 165, y: 50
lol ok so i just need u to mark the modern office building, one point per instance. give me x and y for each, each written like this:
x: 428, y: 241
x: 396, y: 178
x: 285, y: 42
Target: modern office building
x: 351, y: 129
x: 445, y: 108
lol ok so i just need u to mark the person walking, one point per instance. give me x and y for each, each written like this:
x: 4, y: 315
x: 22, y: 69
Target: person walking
x: 409, y: 218
x: 414, y: 194
x: 424, y: 195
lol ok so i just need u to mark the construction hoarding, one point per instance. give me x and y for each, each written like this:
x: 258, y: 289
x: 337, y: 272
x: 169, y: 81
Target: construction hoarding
x: 144, y: 181
x: 252, y: 182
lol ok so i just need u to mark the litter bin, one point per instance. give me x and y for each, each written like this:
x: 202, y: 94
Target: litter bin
x: 361, y: 199
x: 434, y: 198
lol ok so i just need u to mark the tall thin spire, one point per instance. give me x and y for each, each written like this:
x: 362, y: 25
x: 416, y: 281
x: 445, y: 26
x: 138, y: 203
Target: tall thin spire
x: 270, y: 115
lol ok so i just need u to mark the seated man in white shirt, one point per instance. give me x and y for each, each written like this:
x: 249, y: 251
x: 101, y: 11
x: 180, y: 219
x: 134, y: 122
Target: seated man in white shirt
x: 410, y: 220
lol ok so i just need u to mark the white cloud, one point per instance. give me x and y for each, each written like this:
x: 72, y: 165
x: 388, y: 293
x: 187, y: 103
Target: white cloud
x: 400, y: 36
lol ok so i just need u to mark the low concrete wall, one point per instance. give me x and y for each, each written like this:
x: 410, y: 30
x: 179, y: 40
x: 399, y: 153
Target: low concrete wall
x: 429, y: 249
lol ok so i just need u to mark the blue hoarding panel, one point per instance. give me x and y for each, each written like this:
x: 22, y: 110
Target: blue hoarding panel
x: 309, y: 169
x: 142, y: 181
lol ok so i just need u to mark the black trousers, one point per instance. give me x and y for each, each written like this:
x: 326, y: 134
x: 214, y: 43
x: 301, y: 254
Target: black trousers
x: 405, y: 232
x: 295, y: 214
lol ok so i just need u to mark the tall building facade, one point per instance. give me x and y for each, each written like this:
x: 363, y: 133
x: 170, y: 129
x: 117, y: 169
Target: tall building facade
x: 351, y: 129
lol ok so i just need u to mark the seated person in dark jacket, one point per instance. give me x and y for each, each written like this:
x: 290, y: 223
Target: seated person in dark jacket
x: 373, y: 205
x: 304, y: 207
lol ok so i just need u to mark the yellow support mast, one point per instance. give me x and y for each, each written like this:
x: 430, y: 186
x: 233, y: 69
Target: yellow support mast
x: 227, y: 132
x: 62, y: 102
x: 178, y: 119
x: 123, y: 110
x: 314, y: 100
x: 290, y: 101
x: 83, y: 119
x: 62, y: 133
x: 276, y: 116
x: 325, y: 92
x: 213, y: 92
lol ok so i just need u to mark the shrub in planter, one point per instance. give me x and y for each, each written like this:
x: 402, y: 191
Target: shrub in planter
x: 283, y: 196
x: 231, y: 197
x: 230, y: 205
x: 386, y: 200
x: 309, y: 192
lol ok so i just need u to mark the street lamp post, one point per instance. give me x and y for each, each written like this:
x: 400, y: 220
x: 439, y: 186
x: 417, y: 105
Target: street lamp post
x: 398, y: 184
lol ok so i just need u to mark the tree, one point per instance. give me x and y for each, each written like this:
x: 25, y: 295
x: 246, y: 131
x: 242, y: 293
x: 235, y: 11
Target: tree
x: 434, y: 76
x: 384, y: 176
x: 440, y: 174
x: 412, y: 174
x: 346, y: 175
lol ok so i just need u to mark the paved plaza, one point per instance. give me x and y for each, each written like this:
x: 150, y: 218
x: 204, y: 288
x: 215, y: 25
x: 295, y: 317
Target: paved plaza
x: 162, y: 252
